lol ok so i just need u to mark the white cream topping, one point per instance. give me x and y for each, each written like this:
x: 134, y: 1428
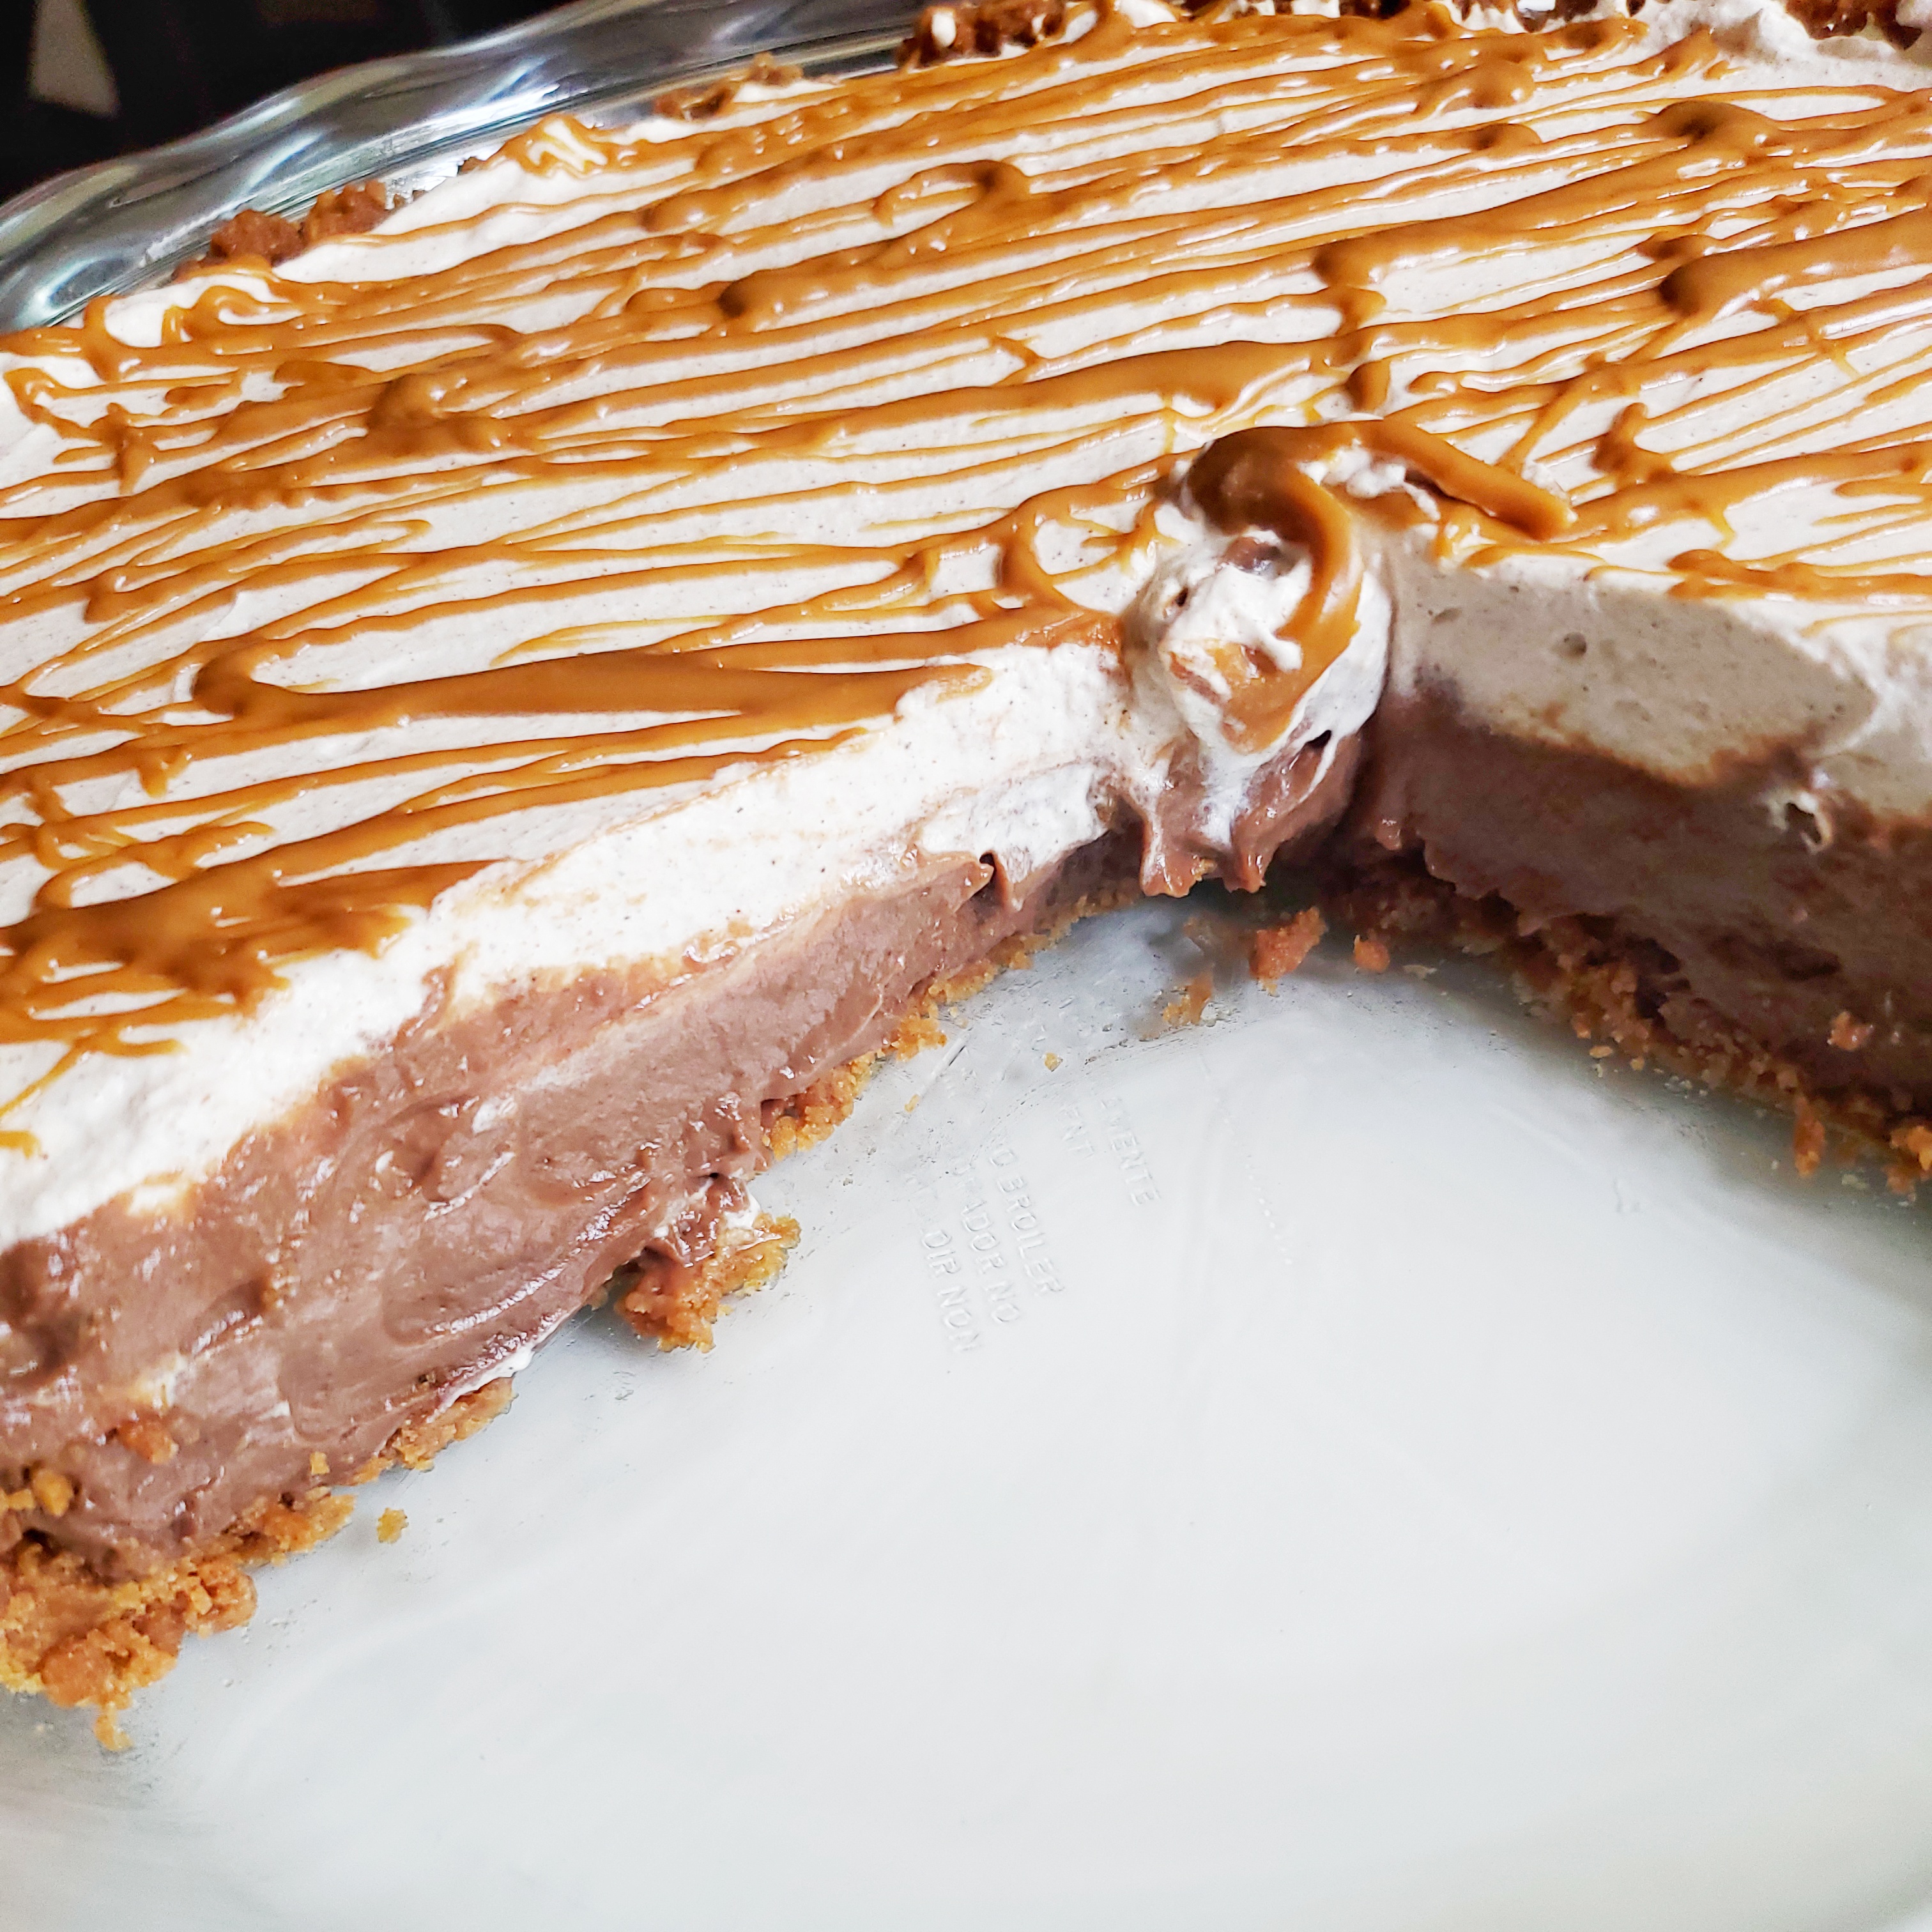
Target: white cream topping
x: 1194, y: 605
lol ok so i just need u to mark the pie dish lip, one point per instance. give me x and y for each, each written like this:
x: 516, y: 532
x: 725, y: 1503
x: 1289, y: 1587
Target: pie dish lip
x: 122, y: 224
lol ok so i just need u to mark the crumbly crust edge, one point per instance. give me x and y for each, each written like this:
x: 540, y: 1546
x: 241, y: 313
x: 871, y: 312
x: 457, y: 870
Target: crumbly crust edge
x: 1602, y: 985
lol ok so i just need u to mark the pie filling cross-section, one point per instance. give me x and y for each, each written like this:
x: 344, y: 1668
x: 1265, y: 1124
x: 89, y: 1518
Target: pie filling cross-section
x: 499, y: 714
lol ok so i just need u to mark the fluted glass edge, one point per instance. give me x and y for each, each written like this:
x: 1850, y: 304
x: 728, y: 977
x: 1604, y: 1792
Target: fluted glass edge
x: 409, y: 119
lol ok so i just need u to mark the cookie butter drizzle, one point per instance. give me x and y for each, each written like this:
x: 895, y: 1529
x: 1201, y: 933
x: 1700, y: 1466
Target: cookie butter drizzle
x: 782, y: 389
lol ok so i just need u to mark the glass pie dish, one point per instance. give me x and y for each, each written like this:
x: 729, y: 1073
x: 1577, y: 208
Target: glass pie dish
x: 1355, y: 1463
x: 409, y: 120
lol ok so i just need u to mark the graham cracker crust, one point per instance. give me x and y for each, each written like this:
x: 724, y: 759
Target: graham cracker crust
x: 1614, y: 992
x: 75, y: 1640
x: 675, y: 1304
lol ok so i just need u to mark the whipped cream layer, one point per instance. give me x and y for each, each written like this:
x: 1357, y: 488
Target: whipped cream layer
x: 651, y: 536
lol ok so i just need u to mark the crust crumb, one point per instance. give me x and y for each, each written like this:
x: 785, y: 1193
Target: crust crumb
x: 417, y: 1445
x: 702, y: 103
x: 806, y: 1118
x: 1010, y: 956
x: 1372, y: 954
x: 351, y: 210
x: 981, y: 27
x: 78, y: 1641
x: 148, y: 1436
x: 1827, y: 19
x: 390, y: 1525
x: 1276, y: 951
x: 915, y: 1033
x: 1051, y: 1062
x: 1911, y: 1143
x: 1849, y: 1035
x: 251, y: 235
x: 1186, y: 1011
x: 52, y: 1492
x: 1807, y: 1137
x: 1822, y: 19
x: 676, y: 1303
x: 68, y: 1636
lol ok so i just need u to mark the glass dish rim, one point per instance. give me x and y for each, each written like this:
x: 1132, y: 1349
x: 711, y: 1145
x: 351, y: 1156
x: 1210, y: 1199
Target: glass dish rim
x: 408, y: 119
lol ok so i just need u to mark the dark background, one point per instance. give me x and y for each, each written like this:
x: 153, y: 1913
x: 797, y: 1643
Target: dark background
x: 126, y: 73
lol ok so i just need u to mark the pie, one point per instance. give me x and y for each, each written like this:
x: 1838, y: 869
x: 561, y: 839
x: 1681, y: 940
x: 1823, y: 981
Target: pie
x: 512, y: 697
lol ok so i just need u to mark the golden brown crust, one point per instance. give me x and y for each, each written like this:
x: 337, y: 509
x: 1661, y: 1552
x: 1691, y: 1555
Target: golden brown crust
x: 700, y: 103
x: 417, y: 1445
x: 675, y: 1305
x: 1372, y: 952
x: 1276, y: 951
x: 251, y: 235
x: 1827, y: 19
x: 981, y: 27
x: 974, y: 28
x: 984, y: 27
x: 1192, y: 1004
x: 75, y: 1640
x: 1604, y: 986
x: 352, y: 209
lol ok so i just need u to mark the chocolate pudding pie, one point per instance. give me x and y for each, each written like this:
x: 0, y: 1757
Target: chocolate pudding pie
x: 506, y: 711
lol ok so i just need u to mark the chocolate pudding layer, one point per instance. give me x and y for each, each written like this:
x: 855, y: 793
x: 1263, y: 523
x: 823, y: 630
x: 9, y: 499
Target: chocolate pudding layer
x: 1805, y: 927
